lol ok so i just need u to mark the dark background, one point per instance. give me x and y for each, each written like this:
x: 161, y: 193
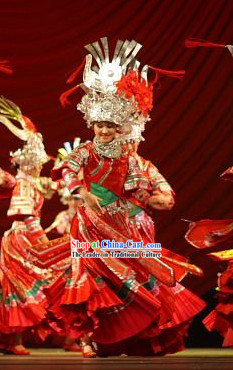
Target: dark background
x: 190, y: 135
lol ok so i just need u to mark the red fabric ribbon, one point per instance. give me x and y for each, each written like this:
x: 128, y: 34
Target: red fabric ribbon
x: 64, y: 96
x: 193, y: 43
x: 5, y: 68
x: 76, y: 72
x: 164, y: 72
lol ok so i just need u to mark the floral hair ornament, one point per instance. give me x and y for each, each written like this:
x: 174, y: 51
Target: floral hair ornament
x: 194, y: 43
x: 33, y: 151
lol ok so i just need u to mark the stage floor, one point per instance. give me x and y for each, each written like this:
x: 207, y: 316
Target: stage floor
x: 58, y: 359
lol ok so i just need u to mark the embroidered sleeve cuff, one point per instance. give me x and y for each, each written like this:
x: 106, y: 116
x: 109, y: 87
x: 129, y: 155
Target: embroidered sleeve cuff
x: 71, y: 180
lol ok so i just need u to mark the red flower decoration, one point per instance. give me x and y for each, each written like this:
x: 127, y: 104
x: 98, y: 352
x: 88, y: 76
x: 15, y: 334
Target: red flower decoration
x: 130, y: 86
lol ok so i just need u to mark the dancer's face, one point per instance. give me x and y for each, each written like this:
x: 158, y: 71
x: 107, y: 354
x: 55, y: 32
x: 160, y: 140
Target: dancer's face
x: 105, y: 132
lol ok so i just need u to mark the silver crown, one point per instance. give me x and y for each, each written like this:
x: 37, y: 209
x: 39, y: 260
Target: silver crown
x: 103, y: 76
x: 102, y: 102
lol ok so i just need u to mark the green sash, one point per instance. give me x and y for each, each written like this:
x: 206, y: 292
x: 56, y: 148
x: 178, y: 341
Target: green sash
x: 109, y: 197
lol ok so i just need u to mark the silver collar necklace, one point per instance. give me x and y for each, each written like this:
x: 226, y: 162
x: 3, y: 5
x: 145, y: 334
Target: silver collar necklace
x: 110, y: 150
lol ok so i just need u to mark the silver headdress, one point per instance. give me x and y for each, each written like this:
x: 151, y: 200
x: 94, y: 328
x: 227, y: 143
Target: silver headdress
x: 113, y: 88
x: 33, y: 152
x: 135, y: 135
x: 116, y: 91
x: 102, y: 78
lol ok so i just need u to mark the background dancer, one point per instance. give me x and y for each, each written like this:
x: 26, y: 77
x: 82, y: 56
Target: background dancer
x: 23, y: 304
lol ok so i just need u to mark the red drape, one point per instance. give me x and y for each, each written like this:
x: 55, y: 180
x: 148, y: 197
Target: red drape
x: 190, y: 135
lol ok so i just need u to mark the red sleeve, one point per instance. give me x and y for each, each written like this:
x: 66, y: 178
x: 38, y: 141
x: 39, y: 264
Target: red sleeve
x: 70, y: 168
x: 71, y: 180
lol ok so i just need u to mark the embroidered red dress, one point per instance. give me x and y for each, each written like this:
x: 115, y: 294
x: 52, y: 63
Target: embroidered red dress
x: 122, y: 302
x: 22, y: 302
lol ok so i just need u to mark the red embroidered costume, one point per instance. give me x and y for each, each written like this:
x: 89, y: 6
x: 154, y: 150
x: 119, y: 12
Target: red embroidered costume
x: 22, y: 302
x: 117, y: 299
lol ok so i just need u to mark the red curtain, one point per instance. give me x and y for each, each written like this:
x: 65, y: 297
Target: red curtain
x: 190, y: 135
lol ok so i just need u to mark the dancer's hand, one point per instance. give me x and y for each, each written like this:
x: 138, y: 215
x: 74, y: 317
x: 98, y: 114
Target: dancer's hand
x: 91, y: 200
x: 161, y: 201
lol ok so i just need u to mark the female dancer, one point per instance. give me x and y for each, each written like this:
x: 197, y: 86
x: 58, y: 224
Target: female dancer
x: 23, y: 304
x: 108, y: 299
